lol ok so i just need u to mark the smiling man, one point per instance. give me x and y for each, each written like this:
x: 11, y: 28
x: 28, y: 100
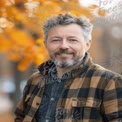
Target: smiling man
x: 70, y: 87
x: 66, y: 46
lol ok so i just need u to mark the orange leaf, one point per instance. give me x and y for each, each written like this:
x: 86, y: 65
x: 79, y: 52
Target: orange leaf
x: 24, y: 63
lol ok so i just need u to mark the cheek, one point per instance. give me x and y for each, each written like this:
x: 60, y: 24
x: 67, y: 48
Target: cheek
x: 80, y: 51
x: 52, y: 47
x: 52, y: 50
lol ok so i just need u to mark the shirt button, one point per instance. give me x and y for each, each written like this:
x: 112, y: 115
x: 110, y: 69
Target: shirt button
x: 52, y: 99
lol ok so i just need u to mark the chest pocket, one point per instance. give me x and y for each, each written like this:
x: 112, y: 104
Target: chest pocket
x: 86, y: 109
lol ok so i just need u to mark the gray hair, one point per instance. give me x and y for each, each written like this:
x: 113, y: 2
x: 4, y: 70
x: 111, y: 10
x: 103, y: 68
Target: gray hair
x: 66, y: 19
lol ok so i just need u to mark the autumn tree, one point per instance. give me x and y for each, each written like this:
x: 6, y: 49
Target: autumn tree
x: 21, y: 21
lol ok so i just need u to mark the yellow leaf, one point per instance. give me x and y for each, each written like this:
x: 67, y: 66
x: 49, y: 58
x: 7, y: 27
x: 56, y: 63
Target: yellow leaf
x: 24, y: 63
x: 20, y: 37
x: 4, y: 44
x: 13, y: 56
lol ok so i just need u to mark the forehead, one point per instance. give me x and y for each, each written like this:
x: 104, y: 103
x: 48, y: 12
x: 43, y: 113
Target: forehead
x: 71, y: 29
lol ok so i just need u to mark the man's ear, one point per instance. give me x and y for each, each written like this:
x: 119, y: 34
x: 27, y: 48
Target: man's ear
x: 88, y: 45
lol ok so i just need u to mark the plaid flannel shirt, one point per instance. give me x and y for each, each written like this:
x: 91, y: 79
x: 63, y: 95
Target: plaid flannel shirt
x: 92, y: 94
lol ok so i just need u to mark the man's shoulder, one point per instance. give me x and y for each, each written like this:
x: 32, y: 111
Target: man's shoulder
x: 104, y: 72
x: 35, y: 78
x: 40, y: 74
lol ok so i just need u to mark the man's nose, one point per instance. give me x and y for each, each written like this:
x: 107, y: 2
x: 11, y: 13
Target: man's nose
x: 64, y: 45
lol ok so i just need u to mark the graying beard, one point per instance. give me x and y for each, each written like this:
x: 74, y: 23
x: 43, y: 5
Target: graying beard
x: 64, y: 64
x: 67, y: 64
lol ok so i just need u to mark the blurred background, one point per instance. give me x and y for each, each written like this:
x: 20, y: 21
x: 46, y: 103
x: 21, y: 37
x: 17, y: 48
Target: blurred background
x: 21, y: 40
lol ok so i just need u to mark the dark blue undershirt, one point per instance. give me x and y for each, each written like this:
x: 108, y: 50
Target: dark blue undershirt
x: 52, y: 93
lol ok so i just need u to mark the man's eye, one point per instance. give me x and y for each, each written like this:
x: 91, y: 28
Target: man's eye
x: 73, y: 40
x: 56, y: 40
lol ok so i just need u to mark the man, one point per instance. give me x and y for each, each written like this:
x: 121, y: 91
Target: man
x: 70, y: 87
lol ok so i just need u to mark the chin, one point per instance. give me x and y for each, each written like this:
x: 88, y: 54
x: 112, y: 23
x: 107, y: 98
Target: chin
x: 64, y: 64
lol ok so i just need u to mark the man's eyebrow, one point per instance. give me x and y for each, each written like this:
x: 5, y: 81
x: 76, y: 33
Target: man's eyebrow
x: 72, y: 37
x: 57, y: 37
x: 54, y: 37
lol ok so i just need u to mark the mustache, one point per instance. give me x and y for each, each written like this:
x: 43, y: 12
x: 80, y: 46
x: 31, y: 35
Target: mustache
x: 63, y: 51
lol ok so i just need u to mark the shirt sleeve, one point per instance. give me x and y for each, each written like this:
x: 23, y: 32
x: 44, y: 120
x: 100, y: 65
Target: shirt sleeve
x: 19, y: 112
x: 112, y: 100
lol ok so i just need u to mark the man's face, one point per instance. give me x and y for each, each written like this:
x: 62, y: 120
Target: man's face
x: 66, y: 44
